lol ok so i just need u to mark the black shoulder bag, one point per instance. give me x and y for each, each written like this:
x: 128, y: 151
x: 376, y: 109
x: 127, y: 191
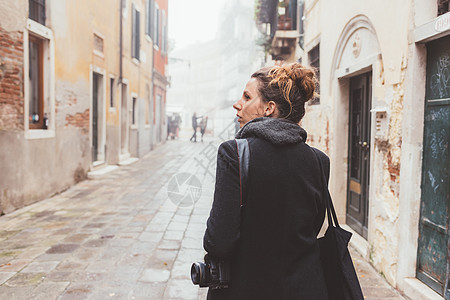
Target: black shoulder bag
x: 339, y: 272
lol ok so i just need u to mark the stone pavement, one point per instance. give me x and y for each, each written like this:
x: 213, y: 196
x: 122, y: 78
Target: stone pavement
x: 132, y: 233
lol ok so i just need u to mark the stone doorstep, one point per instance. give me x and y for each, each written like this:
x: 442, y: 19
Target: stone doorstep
x: 415, y: 289
x: 102, y: 171
x: 128, y: 161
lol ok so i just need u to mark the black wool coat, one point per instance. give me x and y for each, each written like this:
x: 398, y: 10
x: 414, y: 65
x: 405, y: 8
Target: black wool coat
x: 272, y: 242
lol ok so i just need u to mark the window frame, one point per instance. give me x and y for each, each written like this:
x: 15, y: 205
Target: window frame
x: 134, y: 110
x: 41, y: 9
x: 135, y: 33
x: 156, y: 27
x: 150, y: 19
x: 163, y: 32
x: 112, y: 93
x: 35, y: 30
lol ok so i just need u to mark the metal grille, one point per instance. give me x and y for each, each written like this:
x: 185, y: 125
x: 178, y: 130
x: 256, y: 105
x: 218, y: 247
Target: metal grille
x: 37, y: 11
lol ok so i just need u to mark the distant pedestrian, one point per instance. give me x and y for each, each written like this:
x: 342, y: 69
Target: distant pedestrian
x: 203, y: 124
x: 178, y: 124
x: 194, y: 126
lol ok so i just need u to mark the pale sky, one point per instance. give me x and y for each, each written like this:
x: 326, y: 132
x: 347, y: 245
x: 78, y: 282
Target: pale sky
x: 192, y: 21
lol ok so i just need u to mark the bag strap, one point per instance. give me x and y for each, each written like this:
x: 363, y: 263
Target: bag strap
x: 331, y: 213
x: 244, y: 160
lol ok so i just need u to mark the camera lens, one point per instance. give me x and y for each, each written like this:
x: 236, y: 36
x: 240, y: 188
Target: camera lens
x: 198, y: 273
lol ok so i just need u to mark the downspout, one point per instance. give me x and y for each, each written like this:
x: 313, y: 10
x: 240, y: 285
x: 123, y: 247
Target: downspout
x: 120, y: 41
x: 153, y: 95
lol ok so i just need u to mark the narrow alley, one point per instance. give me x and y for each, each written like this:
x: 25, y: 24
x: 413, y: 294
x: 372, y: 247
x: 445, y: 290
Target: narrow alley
x: 130, y: 234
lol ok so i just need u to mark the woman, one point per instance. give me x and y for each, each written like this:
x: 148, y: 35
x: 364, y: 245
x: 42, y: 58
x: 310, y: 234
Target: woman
x: 272, y: 244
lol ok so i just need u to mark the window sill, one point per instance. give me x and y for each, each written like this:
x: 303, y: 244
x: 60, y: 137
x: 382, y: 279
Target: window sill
x: 134, y: 127
x: 148, y: 38
x: 99, y: 54
x: 112, y: 109
x: 34, y: 134
x: 136, y: 61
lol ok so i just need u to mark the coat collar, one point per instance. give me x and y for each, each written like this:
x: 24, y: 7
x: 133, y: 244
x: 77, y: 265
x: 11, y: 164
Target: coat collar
x: 274, y: 130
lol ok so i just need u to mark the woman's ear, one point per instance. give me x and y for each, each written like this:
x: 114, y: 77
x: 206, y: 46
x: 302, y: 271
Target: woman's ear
x: 270, y: 109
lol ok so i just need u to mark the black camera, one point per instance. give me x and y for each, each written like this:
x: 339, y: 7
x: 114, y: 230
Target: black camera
x: 213, y: 273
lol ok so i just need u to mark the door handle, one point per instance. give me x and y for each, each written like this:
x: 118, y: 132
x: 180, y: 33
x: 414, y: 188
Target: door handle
x: 364, y: 145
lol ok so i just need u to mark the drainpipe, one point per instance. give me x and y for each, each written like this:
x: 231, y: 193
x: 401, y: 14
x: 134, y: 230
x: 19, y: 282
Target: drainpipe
x: 120, y: 41
x: 152, y: 127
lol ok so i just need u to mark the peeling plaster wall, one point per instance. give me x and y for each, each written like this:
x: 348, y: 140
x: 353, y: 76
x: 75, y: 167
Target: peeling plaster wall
x: 327, y: 123
x: 384, y: 204
x: 32, y: 169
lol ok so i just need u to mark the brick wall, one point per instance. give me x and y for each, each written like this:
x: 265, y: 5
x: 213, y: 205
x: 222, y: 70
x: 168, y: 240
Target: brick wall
x: 11, y: 80
x: 79, y: 120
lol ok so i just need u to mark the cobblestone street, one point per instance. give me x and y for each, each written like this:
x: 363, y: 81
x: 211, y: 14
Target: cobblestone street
x: 128, y: 234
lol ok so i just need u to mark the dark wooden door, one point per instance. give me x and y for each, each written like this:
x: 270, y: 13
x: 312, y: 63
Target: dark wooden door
x: 359, y: 153
x: 95, y: 91
x: 433, y: 262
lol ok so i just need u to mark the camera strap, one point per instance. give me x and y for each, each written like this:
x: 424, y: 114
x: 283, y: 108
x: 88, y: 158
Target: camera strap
x: 244, y: 160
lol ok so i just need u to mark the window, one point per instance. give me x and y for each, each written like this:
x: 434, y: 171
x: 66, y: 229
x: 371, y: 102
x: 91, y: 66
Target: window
x: 314, y: 61
x: 134, y: 111
x: 111, y: 93
x: 163, y: 32
x: 124, y: 8
x: 135, y: 34
x: 39, y: 104
x: 37, y: 11
x: 156, y: 37
x: 301, y: 40
x: 443, y: 6
x: 150, y: 20
x: 36, y: 83
x: 147, y: 105
x: 98, y: 45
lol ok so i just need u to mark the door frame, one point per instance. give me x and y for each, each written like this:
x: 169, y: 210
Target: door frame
x: 124, y: 155
x: 101, y: 116
x: 363, y: 168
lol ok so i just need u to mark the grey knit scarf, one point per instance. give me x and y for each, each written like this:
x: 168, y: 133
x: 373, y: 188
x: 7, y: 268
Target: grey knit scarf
x: 277, y: 131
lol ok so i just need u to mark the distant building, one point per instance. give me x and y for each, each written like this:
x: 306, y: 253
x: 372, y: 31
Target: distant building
x: 208, y: 77
x: 383, y: 116
x: 76, y: 91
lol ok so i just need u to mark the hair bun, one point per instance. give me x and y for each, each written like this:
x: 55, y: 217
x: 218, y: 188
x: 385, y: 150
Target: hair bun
x: 304, y: 79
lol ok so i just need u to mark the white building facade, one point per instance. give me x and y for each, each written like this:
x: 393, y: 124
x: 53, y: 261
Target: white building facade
x: 383, y: 117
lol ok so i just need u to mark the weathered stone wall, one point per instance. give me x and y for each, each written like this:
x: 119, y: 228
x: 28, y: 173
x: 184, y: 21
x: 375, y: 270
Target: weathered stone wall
x: 384, y: 215
x: 381, y: 48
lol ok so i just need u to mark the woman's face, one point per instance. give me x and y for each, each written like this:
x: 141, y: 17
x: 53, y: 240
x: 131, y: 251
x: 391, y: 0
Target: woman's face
x: 250, y: 106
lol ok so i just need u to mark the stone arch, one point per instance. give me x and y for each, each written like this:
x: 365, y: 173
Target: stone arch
x: 357, y: 51
x: 360, y: 38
